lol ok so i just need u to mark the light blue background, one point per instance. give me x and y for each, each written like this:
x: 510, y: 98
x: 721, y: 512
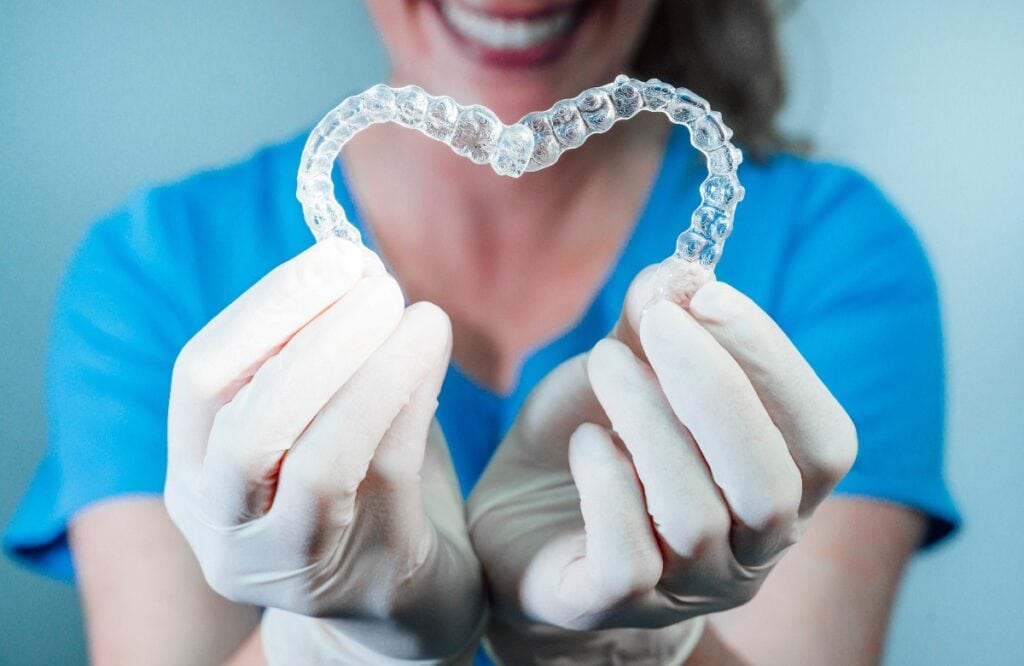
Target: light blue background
x: 98, y: 98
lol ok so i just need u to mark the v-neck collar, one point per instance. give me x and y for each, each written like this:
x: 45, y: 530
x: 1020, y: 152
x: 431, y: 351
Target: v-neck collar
x: 651, y: 239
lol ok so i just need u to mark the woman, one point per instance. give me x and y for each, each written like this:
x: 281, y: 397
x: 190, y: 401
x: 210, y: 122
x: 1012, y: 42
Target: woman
x: 664, y: 462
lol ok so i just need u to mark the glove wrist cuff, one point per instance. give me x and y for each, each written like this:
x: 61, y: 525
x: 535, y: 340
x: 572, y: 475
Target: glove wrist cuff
x: 516, y: 643
x: 290, y: 638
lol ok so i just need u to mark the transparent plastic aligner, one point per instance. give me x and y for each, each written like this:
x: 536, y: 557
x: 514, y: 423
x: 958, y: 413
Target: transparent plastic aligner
x: 534, y: 142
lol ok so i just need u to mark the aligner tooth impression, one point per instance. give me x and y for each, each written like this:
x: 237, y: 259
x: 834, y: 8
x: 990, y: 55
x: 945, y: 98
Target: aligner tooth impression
x: 533, y: 143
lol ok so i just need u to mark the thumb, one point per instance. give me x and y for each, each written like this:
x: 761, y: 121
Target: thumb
x: 672, y: 279
x: 640, y: 293
x: 397, y: 463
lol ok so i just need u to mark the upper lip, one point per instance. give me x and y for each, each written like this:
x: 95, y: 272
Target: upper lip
x: 503, y: 11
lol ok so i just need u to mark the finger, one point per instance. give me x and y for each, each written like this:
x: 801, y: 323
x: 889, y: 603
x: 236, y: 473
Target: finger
x: 639, y: 294
x: 322, y: 472
x: 820, y: 435
x: 622, y: 556
x: 552, y: 411
x: 372, y: 264
x: 441, y: 495
x: 252, y: 432
x: 643, y: 291
x: 618, y: 557
x: 396, y: 473
x: 225, y: 354
x: 681, y: 497
x: 713, y: 398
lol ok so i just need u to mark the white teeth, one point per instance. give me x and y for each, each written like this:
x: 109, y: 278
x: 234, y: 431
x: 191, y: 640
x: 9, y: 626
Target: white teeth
x: 498, y: 33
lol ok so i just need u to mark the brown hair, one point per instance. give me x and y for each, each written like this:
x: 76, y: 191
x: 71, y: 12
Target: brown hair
x: 727, y: 52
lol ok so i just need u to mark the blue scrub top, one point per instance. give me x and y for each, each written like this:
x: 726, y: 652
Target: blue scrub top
x: 816, y: 245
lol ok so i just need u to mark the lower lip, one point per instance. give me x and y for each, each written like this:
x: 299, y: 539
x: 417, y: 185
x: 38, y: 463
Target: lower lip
x: 540, y: 54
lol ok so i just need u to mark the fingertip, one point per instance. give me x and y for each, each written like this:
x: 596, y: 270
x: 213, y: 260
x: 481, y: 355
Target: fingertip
x: 372, y: 304
x: 658, y: 316
x: 337, y: 249
x: 604, y: 349
x: 333, y: 265
x: 591, y: 450
x: 606, y: 355
x: 386, y: 291
x: 433, y: 323
x: 740, y: 325
x: 589, y: 441
x: 432, y: 314
x: 372, y: 263
x: 640, y: 293
x: 717, y: 301
x: 669, y: 334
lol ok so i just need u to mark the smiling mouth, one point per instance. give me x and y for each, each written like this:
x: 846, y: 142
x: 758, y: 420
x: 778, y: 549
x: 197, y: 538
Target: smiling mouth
x: 509, y: 39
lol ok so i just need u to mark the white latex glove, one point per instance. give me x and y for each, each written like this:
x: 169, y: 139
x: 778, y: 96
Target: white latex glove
x: 306, y: 475
x: 653, y: 480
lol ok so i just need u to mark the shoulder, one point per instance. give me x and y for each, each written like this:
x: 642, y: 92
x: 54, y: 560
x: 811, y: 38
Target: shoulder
x: 809, y: 192
x: 807, y: 229
x: 846, y: 227
x: 233, y: 202
x: 204, y: 239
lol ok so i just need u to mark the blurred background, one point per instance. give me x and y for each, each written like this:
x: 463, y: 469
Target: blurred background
x: 99, y: 98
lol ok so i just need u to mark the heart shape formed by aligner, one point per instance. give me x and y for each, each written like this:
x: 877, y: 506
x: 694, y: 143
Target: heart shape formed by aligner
x: 534, y: 142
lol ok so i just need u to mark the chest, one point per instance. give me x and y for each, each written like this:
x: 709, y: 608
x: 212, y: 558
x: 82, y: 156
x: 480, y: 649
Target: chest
x: 508, y: 302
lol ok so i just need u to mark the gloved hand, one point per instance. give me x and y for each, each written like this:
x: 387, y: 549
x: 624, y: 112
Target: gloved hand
x: 306, y: 474
x: 655, y: 479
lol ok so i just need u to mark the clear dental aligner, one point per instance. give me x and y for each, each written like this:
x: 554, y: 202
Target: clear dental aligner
x: 534, y: 142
